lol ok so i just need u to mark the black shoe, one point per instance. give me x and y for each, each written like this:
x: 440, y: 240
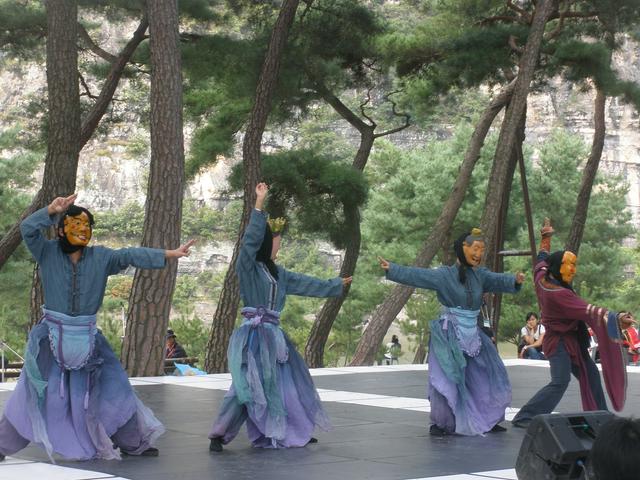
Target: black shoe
x: 312, y: 440
x: 215, y: 445
x: 497, y: 428
x: 437, y: 431
x: 1, y: 457
x: 149, y: 452
x: 524, y: 423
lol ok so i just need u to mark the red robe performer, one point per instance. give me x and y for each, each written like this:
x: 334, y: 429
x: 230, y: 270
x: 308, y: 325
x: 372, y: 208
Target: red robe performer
x: 565, y: 317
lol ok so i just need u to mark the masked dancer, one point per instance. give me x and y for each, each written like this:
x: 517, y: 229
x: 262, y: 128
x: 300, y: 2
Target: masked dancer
x: 272, y: 390
x: 73, y: 397
x: 469, y: 390
x: 565, y: 317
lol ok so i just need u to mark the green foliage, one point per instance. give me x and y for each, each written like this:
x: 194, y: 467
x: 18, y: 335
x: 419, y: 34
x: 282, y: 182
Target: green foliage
x: 198, y: 221
x: 22, y: 28
x: 580, y: 60
x: 127, y: 222
x: 15, y: 277
x: 421, y: 309
x: 110, y: 324
x: 192, y: 334
x: 320, y: 190
x: 15, y: 286
x: 331, y: 43
x: 201, y: 221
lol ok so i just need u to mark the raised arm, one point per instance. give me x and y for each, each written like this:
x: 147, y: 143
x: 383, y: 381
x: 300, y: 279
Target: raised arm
x: 427, y: 278
x: 31, y: 227
x: 546, y: 233
x: 254, y: 232
x: 304, y: 285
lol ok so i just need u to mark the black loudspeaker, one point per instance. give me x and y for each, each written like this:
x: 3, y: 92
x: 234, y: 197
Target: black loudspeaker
x: 556, y: 446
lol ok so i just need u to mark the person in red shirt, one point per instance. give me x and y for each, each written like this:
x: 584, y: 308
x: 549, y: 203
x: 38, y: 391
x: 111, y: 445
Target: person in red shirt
x: 630, y: 338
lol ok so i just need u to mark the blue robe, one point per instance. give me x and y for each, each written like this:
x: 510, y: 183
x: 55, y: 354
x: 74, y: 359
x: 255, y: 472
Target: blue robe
x: 469, y: 389
x: 94, y: 404
x: 272, y: 389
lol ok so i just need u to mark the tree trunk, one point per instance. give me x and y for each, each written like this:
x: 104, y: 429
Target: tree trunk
x: 588, y: 175
x: 152, y: 290
x: 495, y: 261
x: 510, y: 124
x: 12, y: 238
x: 227, y: 309
x: 421, y: 354
x: 386, y: 312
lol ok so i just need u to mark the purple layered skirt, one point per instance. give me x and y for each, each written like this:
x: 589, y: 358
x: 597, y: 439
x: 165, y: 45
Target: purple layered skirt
x: 468, y: 394
x: 79, y: 414
x: 272, y: 390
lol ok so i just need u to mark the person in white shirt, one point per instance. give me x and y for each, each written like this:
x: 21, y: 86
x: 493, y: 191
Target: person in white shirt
x: 531, y: 338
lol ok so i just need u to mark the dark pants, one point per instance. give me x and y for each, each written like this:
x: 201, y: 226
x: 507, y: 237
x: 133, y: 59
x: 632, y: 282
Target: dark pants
x: 547, y: 399
x: 534, y: 354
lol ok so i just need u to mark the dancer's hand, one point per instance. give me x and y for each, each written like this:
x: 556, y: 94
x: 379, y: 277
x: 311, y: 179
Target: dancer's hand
x: 60, y: 204
x: 383, y: 263
x: 547, y: 230
x: 181, y: 251
x: 520, y: 278
x: 262, y: 189
x: 346, y: 281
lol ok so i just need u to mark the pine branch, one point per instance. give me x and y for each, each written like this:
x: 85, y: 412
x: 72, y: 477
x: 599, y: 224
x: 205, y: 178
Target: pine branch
x: 364, y: 104
x: 394, y: 105
x: 93, y: 46
x: 521, y: 11
x: 85, y: 86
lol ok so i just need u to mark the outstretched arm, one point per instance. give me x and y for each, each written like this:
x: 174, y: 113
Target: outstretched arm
x: 142, y: 257
x: 31, y: 227
x: 307, y: 286
x: 501, y: 282
x: 427, y: 278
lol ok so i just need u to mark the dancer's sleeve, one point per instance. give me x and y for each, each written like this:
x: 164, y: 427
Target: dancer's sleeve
x: 139, y: 257
x: 498, y: 282
x: 252, y: 239
x: 304, y: 285
x: 600, y: 319
x: 427, y: 278
x: 31, y: 229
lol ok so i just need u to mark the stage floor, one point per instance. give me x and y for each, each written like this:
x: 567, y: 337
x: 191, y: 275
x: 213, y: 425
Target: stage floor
x: 380, y: 431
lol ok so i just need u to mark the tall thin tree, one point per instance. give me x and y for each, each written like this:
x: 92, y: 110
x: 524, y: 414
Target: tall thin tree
x: 227, y: 309
x: 152, y: 290
x: 574, y: 238
x: 511, y: 123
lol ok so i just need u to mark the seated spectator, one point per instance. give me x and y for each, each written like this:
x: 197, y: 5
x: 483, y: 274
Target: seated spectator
x: 531, y: 337
x: 394, y: 349
x: 173, y: 348
x: 630, y: 339
x: 614, y: 455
